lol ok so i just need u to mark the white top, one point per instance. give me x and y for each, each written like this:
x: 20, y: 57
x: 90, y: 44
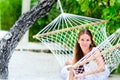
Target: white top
x: 97, y: 76
x: 88, y: 67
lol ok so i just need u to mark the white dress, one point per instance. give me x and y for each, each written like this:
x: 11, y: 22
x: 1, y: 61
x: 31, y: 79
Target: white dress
x: 88, y: 67
x: 97, y: 76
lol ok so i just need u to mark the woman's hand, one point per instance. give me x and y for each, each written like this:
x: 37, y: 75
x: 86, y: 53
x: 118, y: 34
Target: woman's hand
x: 77, y: 76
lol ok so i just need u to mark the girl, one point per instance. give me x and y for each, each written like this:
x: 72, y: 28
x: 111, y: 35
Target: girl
x: 95, y: 69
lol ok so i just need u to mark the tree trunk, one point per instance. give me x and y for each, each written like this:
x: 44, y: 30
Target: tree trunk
x: 11, y: 39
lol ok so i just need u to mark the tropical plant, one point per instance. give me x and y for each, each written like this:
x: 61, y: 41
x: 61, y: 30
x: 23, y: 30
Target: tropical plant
x: 9, y: 12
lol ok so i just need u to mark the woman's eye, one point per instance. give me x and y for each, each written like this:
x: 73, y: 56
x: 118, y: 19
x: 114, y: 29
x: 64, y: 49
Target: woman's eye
x: 82, y: 39
x: 88, y: 40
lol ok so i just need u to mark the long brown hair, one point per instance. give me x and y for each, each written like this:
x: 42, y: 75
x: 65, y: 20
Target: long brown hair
x: 78, y: 51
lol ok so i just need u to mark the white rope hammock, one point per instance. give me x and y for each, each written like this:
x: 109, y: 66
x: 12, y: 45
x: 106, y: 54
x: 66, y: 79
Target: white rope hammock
x: 61, y: 34
x: 110, y: 49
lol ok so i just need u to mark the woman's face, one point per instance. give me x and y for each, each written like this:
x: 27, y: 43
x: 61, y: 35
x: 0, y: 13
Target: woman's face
x: 84, y: 41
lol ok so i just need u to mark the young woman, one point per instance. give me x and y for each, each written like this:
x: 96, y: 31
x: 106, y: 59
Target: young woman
x: 95, y: 69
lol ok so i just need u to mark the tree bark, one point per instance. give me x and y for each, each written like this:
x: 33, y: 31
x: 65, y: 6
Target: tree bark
x: 11, y: 39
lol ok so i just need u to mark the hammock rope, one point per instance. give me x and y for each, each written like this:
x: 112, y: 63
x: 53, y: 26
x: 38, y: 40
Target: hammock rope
x: 107, y: 48
x: 67, y: 29
x: 61, y: 34
x: 93, y: 57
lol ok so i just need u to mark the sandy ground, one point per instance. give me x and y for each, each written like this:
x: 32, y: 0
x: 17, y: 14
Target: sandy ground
x: 28, y: 65
x: 25, y: 65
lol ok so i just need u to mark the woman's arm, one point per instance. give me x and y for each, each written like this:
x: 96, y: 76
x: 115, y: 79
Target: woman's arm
x: 87, y: 59
x: 71, y: 73
x: 100, y: 62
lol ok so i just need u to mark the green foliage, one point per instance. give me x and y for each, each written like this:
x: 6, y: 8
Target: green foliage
x: 84, y: 5
x: 10, y: 11
x: 103, y: 9
x: 112, y: 13
x: 118, y: 69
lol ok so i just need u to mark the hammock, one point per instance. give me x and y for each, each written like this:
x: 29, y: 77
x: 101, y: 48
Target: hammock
x: 61, y: 34
x: 110, y: 49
